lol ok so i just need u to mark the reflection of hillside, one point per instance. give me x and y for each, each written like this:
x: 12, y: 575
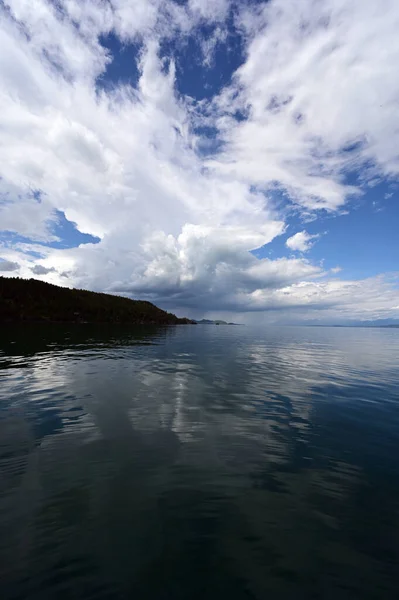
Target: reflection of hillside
x: 28, y: 340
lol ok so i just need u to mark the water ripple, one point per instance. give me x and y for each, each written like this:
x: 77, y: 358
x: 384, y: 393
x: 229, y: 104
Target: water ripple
x: 195, y: 462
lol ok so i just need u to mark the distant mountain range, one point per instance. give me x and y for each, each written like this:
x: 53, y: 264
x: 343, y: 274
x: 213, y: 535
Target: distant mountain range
x: 33, y: 300
x: 354, y: 323
x: 376, y: 323
x: 216, y: 322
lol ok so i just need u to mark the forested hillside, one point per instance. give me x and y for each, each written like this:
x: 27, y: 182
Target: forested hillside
x: 33, y: 300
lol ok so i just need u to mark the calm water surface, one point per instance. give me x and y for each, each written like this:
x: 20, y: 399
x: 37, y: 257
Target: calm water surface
x: 199, y: 462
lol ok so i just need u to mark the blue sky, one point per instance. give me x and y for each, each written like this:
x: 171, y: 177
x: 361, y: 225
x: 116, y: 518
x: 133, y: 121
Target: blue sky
x: 216, y: 157
x: 359, y: 240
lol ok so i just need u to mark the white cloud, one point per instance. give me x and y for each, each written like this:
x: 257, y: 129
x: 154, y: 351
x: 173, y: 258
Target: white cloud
x: 123, y: 163
x: 313, y: 88
x: 301, y: 241
x: 209, y: 266
x: 367, y: 298
x: 323, y: 301
x: 210, y: 44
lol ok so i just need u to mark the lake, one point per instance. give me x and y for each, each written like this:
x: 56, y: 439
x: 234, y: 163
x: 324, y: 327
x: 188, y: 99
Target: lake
x: 199, y: 462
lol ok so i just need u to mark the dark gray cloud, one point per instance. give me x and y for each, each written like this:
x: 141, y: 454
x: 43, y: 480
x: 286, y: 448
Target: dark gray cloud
x: 40, y: 270
x: 8, y: 265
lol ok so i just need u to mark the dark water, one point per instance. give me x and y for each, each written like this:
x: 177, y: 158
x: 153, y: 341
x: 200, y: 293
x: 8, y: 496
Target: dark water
x: 199, y: 462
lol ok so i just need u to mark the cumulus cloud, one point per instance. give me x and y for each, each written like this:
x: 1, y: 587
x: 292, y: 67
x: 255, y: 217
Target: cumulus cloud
x: 301, y: 241
x: 8, y: 265
x: 212, y: 268
x: 309, y: 103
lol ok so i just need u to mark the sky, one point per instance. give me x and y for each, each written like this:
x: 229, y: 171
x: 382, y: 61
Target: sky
x: 230, y: 159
